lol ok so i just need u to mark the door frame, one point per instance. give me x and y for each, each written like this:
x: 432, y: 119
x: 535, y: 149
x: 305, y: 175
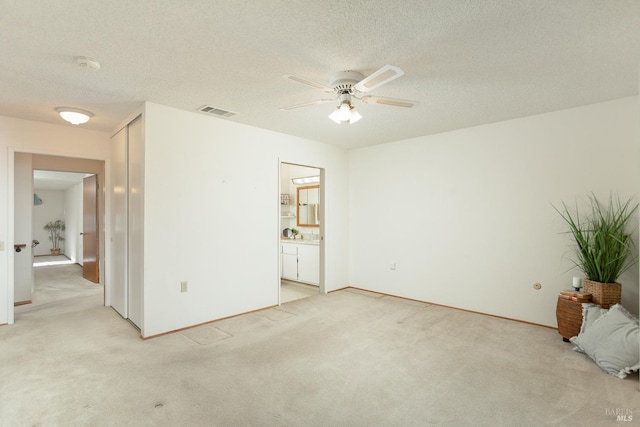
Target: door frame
x: 321, y: 287
x: 60, y: 163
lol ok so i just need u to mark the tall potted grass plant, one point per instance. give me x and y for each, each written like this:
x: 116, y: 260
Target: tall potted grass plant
x: 55, y: 229
x: 603, y: 248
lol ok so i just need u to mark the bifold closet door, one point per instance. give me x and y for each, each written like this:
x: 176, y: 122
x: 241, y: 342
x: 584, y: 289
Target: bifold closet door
x: 119, y: 222
x: 135, y: 261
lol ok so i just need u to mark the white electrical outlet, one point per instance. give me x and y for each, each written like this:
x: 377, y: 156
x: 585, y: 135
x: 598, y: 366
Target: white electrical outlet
x: 392, y: 265
x: 184, y: 286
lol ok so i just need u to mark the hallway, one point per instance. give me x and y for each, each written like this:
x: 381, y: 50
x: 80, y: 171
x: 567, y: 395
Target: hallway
x: 59, y: 288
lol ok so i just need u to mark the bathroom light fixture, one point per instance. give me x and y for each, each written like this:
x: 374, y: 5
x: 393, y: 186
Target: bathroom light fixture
x: 345, y: 113
x: 74, y: 116
x: 306, y: 180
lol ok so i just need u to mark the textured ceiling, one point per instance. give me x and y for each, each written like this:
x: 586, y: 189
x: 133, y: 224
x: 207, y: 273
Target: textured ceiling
x: 465, y: 62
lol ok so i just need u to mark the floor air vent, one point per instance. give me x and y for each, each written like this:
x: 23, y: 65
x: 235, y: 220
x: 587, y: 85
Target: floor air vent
x: 216, y: 111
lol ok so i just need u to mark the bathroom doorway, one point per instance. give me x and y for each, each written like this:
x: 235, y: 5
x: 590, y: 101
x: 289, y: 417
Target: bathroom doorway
x: 301, y: 232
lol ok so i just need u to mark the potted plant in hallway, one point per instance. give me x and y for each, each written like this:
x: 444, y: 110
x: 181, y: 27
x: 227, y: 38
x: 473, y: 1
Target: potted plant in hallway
x: 604, y: 248
x: 55, y: 229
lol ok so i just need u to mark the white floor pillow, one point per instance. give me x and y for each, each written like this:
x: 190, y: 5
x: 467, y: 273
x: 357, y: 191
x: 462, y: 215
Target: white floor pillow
x: 612, y: 340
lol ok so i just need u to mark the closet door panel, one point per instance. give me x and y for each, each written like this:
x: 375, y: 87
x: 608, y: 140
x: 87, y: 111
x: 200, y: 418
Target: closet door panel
x: 119, y: 222
x: 136, y: 222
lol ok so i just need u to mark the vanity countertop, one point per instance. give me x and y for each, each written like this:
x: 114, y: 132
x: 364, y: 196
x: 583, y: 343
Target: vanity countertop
x: 300, y: 241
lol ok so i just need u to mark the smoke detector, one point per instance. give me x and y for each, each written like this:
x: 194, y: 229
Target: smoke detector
x: 86, y: 62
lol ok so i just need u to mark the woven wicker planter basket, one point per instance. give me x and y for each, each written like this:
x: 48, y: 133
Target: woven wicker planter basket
x: 569, y: 316
x: 603, y: 294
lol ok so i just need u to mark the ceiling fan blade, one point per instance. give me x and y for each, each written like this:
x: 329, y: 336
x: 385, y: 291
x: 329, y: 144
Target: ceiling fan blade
x: 307, y: 104
x: 309, y: 83
x: 369, y: 99
x: 378, y: 78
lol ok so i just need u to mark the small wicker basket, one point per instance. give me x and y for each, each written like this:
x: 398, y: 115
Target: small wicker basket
x: 569, y: 316
x: 603, y: 294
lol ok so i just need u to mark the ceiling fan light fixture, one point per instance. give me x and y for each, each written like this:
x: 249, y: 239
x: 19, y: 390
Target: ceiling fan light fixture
x: 74, y: 116
x: 348, y: 83
x: 345, y: 113
x: 355, y: 116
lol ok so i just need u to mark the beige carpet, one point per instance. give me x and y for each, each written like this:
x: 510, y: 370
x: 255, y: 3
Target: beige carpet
x: 350, y: 358
x: 292, y: 291
x: 59, y: 288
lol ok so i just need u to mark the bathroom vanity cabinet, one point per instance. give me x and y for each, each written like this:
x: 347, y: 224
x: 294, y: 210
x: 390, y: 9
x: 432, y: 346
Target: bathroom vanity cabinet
x: 301, y: 262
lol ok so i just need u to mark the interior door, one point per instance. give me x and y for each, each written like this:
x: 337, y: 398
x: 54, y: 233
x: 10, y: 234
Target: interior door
x: 90, y: 257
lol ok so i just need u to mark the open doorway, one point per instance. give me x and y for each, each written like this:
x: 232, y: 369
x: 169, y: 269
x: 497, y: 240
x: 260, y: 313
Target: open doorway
x: 48, y: 190
x: 300, y: 232
x: 58, y: 211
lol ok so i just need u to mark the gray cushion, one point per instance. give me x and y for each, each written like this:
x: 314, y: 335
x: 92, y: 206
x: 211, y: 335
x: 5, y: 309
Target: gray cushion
x: 612, y: 341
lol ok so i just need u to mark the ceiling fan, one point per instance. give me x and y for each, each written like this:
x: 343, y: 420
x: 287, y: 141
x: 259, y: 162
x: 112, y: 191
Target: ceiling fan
x: 348, y: 85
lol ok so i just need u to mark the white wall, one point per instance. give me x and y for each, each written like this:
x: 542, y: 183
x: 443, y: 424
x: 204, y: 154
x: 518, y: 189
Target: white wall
x: 23, y: 271
x: 18, y: 135
x: 51, y: 209
x: 468, y: 217
x: 212, y: 216
x: 73, y: 221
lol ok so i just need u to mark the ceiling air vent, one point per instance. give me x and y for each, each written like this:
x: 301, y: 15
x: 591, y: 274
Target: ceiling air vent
x: 216, y: 111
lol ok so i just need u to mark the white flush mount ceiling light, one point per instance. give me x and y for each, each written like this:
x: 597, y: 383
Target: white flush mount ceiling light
x: 306, y: 180
x: 74, y: 116
x: 345, y: 113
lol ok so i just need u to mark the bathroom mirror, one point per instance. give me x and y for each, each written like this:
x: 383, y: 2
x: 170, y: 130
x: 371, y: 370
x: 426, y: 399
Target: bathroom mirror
x: 308, y: 206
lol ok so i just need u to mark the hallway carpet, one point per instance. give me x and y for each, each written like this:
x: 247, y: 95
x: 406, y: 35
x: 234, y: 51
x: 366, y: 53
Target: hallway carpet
x: 350, y: 358
x: 59, y: 288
